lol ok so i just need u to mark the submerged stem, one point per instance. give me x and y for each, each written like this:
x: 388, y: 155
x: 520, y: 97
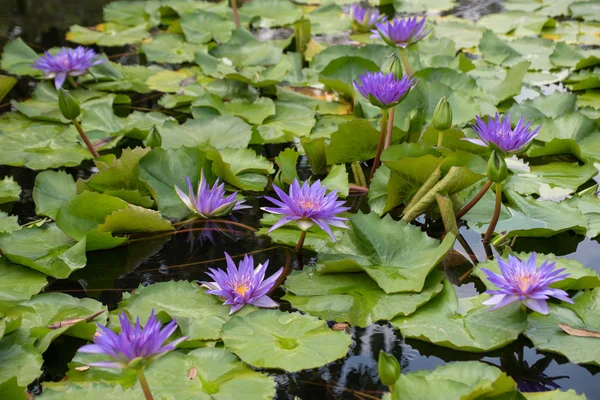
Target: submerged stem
x: 236, y: 17
x: 384, y: 115
x: 390, y: 127
x: 144, y: 384
x: 405, y: 61
x: 496, y: 216
x: 89, y: 144
x: 475, y: 200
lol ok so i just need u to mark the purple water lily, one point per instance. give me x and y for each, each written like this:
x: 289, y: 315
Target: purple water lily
x: 133, y: 343
x: 364, y: 18
x: 67, y: 62
x: 523, y: 281
x: 243, y: 285
x: 498, y: 134
x: 209, y: 202
x: 308, y: 205
x: 400, y: 32
x: 384, y: 90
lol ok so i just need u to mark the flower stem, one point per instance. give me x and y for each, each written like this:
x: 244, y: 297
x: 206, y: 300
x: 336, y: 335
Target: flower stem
x: 144, y: 384
x: 72, y: 81
x: 390, y: 127
x: 236, y: 17
x: 475, y: 200
x: 89, y: 144
x: 301, y: 242
x: 440, y: 142
x: 405, y: 61
x: 384, y: 115
x: 496, y: 216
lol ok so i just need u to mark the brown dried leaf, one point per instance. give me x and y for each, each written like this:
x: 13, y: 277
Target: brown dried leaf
x: 72, y: 321
x: 579, y: 332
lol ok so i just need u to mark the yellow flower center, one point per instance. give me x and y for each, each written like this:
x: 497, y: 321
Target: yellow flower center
x: 241, y: 289
x: 524, y: 281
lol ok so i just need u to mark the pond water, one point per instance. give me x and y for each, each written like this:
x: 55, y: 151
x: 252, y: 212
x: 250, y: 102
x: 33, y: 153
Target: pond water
x: 187, y: 254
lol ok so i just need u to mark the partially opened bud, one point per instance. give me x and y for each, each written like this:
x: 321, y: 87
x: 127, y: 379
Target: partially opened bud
x: 68, y: 105
x: 393, y: 64
x: 388, y: 368
x: 497, y: 171
x: 442, y: 116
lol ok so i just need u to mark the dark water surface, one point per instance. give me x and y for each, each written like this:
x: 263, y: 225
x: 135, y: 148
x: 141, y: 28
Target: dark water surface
x: 187, y: 255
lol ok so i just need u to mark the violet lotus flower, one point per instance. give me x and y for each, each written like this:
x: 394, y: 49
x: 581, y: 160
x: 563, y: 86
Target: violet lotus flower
x: 498, y: 134
x: 67, y: 62
x: 209, y: 202
x: 243, y: 285
x: 384, y: 90
x: 400, y: 32
x: 364, y: 18
x: 308, y: 205
x: 134, y: 343
x: 523, y: 281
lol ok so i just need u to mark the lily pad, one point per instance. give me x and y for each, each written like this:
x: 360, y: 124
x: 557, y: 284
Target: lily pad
x: 221, y: 132
x: 463, y: 324
x: 46, y: 249
x: 288, y: 341
x: 8, y: 223
x: 398, y: 256
x: 199, y: 315
x: 170, y: 48
x: 241, y: 168
x: 546, y: 335
x: 9, y: 190
x: 564, y: 175
x: 353, y: 298
x: 109, y: 34
x: 19, y: 360
x: 245, y: 50
x: 51, y: 190
x: 271, y: 13
x: 17, y: 58
x: 204, y: 26
x: 18, y: 284
x: 459, y: 380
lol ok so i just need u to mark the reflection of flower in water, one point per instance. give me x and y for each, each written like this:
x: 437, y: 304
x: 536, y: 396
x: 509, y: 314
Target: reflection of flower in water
x: 208, y: 233
x: 529, y: 378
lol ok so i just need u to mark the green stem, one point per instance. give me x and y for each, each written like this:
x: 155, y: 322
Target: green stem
x: 391, y: 387
x: 236, y: 17
x: 390, y: 127
x: 496, y: 216
x: 72, y: 81
x: 440, y: 142
x: 405, y: 61
x: 475, y: 200
x: 301, y: 242
x: 384, y: 115
x: 144, y: 384
x: 89, y: 144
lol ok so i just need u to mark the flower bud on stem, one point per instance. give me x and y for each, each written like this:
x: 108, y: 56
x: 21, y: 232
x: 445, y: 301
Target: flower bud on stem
x: 236, y: 17
x: 89, y: 144
x: 495, y: 217
x: 382, y: 136
x: 144, y: 383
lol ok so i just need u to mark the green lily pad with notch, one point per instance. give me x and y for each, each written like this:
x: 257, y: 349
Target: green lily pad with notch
x: 516, y: 23
x: 459, y: 380
x: 271, y: 13
x: 291, y: 121
x: 241, y: 168
x: 18, y: 284
x: 114, y: 77
x: 245, y: 50
x: 47, y: 309
x: 589, y: 206
x: 327, y: 19
x: 172, y: 81
x: 546, y: 335
x: 17, y: 58
x: 398, y: 256
x: 557, y: 175
x: 253, y: 112
x: 569, y: 56
x: 162, y: 169
x: 463, y: 324
x: 133, y: 13
x: 374, y: 52
x: 109, y: 34
x: 200, y: 316
x: 463, y: 32
x: 217, y: 131
x: 46, y: 249
x: 287, y: 341
x: 551, y: 106
x: 19, y: 360
x: 587, y: 10
x: 353, y: 298
x: 341, y: 73
x: 580, y: 277
x: 110, y: 215
x: 170, y: 48
x: 419, y: 6
x: 8, y: 223
x: 51, y: 190
x: 204, y: 26
x: 10, y: 190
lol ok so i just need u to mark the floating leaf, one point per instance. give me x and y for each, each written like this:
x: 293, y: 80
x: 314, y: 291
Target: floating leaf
x: 170, y: 48
x: 353, y: 298
x: 241, y: 168
x: 463, y: 324
x: 18, y: 284
x: 340, y: 73
x: 288, y: 341
x: 132, y: 13
x: 9, y: 190
x: 8, y: 223
x: 546, y: 335
x: 221, y: 132
x: 271, y: 13
x: 6, y: 84
x: 291, y: 121
x: 204, y: 26
x: 51, y: 190
x: 398, y: 256
x: 245, y: 50
x: 19, y: 360
x: 109, y: 34
x: 561, y: 174
x: 18, y: 57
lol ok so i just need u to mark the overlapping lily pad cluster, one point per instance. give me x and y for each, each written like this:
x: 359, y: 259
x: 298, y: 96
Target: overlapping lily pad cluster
x: 225, y: 96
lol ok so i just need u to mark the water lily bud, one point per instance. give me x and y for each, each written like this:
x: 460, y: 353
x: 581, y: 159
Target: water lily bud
x: 153, y: 139
x: 68, y: 105
x: 415, y: 121
x: 393, y: 64
x: 497, y: 171
x: 389, y: 368
x: 442, y: 116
